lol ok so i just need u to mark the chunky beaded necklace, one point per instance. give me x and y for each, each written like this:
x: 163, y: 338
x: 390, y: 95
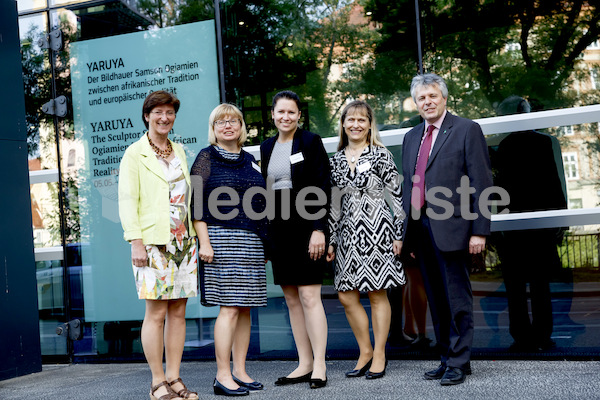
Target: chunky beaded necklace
x: 162, y: 153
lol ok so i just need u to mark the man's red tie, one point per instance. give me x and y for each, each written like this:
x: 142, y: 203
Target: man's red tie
x: 418, y: 190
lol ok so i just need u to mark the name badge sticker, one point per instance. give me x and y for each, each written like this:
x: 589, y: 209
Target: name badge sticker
x: 256, y: 167
x: 363, y: 167
x: 175, y: 162
x: 296, y: 158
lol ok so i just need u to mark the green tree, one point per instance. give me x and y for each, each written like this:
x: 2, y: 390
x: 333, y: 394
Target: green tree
x: 491, y: 48
x: 175, y: 12
x: 266, y: 49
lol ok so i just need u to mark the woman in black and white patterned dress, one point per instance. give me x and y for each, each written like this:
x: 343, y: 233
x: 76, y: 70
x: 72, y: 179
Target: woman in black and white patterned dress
x: 365, y: 232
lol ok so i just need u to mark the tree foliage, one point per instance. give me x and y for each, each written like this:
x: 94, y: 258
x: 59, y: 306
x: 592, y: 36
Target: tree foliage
x: 492, y: 48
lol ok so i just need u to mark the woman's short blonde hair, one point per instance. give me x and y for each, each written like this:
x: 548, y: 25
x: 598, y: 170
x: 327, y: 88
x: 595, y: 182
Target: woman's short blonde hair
x: 361, y: 107
x: 224, y: 110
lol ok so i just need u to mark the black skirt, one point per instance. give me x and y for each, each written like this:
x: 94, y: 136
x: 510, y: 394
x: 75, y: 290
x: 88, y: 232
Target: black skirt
x: 289, y: 240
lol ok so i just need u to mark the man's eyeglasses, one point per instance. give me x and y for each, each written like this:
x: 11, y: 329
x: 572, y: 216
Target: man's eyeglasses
x: 222, y: 122
x: 162, y: 113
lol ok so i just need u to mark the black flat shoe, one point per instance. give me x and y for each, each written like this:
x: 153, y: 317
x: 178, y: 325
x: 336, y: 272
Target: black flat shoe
x: 284, y: 380
x: 355, y: 373
x: 251, y: 386
x: 224, y: 391
x: 316, y: 383
x: 376, y: 375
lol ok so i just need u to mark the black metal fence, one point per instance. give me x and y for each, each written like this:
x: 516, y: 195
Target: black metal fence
x: 580, y: 250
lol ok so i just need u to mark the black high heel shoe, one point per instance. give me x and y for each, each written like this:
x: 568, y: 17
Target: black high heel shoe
x: 356, y: 373
x: 316, y: 383
x: 224, y: 391
x: 376, y: 375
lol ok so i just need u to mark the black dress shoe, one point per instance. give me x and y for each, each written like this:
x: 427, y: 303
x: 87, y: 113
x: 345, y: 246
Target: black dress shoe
x: 251, y: 386
x: 316, y: 383
x: 436, y: 373
x: 224, y: 391
x: 453, y: 376
x: 355, y: 373
x: 421, y: 342
x: 376, y: 375
x: 284, y: 380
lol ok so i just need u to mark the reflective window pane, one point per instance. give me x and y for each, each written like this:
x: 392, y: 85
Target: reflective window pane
x: 29, y: 5
x: 45, y: 214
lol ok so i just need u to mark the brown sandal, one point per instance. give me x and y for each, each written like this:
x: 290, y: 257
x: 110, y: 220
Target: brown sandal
x: 170, y: 392
x: 184, y: 393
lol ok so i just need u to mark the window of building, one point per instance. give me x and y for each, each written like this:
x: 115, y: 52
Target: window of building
x: 575, y: 203
x: 567, y: 130
x: 571, y: 165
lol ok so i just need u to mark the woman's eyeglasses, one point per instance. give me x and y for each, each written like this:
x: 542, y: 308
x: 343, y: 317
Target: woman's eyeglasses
x: 232, y: 122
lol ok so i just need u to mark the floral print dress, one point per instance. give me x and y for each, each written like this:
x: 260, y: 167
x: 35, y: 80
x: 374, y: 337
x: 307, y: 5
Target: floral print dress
x: 172, y: 271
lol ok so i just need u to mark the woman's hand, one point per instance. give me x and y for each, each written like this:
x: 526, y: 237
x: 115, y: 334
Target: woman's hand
x: 206, y: 252
x: 316, y: 245
x: 139, y: 256
x: 330, y: 254
x: 397, y: 247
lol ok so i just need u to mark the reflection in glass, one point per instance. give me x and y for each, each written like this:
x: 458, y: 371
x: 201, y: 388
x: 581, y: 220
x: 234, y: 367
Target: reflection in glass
x: 29, y: 5
x: 45, y: 213
x: 51, y: 306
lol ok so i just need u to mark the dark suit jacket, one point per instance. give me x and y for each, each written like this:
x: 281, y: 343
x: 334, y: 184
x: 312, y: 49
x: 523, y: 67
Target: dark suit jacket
x: 459, y: 150
x: 529, y: 171
x: 312, y: 171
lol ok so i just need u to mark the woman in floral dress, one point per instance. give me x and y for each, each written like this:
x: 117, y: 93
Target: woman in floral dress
x: 154, y: 202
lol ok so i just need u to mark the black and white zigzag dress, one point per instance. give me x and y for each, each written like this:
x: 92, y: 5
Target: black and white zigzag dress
x: 363, y: 226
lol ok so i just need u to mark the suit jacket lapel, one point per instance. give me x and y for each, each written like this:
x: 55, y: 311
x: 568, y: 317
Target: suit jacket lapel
x: 148, y: 159
x: 413, y: 149
x: 443, y: 135
x: 266, y: 152
x: 296, y: 148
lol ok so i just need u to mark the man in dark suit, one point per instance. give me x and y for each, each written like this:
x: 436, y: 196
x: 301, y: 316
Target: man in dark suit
x: 446, y: 168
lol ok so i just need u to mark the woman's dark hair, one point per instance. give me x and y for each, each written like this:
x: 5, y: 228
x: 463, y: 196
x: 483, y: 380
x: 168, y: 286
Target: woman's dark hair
x: 285, y: 94
x: 158, y: 98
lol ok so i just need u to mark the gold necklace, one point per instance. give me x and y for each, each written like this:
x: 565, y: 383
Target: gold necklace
x: 162, y: 153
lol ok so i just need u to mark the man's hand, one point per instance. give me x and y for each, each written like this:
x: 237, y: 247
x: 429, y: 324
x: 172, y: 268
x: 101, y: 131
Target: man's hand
x: 476, y: 244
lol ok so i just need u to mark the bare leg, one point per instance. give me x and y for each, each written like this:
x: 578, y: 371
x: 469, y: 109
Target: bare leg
x: 359, y: 322
x: 153, y: 340
x: 316, y: 326
x: 225, y: 327
x: 241, y: 341
x: 297, y: 320
x: 175, y: 340
x: 381, y: 314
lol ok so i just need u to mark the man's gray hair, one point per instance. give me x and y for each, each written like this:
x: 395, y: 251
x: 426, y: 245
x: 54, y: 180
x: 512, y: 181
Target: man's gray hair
x: 428, y: 80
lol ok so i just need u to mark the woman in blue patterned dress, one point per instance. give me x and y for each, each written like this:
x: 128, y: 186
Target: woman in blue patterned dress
x: 365, y: 234
x: 231, y: 243
x: 154, y: 188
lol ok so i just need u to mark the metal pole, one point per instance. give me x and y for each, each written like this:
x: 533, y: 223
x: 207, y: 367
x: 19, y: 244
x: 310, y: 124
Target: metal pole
x: 220, y: 49
x: 419, y: 49
x: 61, y: 195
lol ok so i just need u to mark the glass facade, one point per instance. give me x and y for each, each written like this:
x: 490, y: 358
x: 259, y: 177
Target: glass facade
x: 329, y: 53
